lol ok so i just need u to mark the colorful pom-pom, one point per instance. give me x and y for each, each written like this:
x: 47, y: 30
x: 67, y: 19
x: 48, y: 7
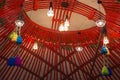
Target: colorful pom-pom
x: 19, y: 40
x: 103, y: 50
x: 17, y: 61
x: 11, y: 61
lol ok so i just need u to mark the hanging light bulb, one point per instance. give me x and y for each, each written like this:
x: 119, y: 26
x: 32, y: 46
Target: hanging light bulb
x: 61, y: 28
x: 50, y: 13
x: 19, y: 23
x: 100, y: 23
x: 67, y: 24
x: 105, y: 40
x: 78, y: 48
x: 35, y: 46
x: 65, y: 28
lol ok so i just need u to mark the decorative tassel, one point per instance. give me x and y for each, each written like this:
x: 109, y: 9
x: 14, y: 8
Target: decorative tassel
x: 108, y: 52
x: 110, y: 71
x: 19, y: 40
x: 18, y: 61
x: 103, y: 50
x: 12, y: 34
x: 14, y: 38
x: 105, y: 71
x: 11, y: 61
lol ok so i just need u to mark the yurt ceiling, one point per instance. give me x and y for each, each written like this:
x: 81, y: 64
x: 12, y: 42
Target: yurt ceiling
x: 81, y: 53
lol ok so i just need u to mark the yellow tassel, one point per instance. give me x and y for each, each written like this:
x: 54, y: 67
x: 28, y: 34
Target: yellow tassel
x: 14, y: 38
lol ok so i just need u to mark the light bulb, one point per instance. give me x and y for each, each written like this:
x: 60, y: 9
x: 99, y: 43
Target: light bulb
x: 65, y: 28
x: 66, y: 23
x: 50, y: 13
x: 105, y: 40
x: 61, y: 28
x: 100, y: 23
x: 19, y: 23
x: 35, y: 46
x: 78, y: 48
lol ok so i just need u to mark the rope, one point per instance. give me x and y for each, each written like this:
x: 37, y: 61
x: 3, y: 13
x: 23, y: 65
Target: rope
x: 18, y: 50
x: 105, y: 60
x: 95, y: 57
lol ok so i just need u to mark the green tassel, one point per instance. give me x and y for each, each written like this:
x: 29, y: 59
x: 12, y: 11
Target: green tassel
x: 105, y: 70
x: 12, y: 34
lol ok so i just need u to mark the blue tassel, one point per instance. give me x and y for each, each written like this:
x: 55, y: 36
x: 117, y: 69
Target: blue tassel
x: 110, y: 71
x: 11, y: 61
x: 103, y: 50
x: 19, y: 40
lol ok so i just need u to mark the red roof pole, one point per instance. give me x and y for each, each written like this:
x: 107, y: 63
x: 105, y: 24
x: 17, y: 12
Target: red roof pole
x: 35, y: 5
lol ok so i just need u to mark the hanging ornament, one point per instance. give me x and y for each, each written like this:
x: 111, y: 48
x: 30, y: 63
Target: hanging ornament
x: 61, y: 28
x: 66, y: 23
x: 110, y: 71
x: 105, y: 40
x: 19, y: 23
x: 65, y: 28
x: 100, y: 23
x: 18, y: 61
x: 108, y: 52
x: 35, y: 46
x: 79, y: 48
x: 19, y: 40
x: 50, y: 13
x: 105, y: 71
x: 11, y: 61
x: 103, y: 50
x: 14, y: 38
x: 12, y: 34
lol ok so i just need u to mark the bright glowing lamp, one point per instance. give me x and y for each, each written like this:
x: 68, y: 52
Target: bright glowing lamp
x: 65, y: 28
x: 50, y: 13
x: 66, y: 24
x: 61, y: 28
x: 78, y: 48
x: 100, y: 23
x: 105, y: 40
x: 19, y: 23
x: 35, y: 46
